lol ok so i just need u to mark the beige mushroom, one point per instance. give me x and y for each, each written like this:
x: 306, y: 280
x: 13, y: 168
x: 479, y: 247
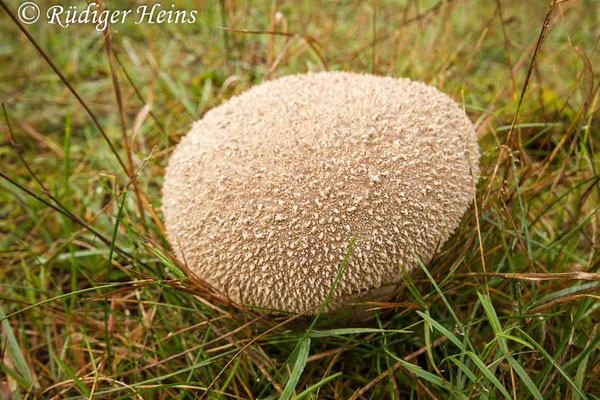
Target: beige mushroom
x: 262, y: 197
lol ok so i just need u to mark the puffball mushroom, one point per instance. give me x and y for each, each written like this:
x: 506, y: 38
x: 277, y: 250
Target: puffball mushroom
x: 264, y: 194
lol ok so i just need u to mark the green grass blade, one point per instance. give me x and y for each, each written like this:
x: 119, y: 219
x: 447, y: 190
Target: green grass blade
x: 332, y: 288
x: 317, y: 385
x: 580, y: 375
x: 439, y: 291
x: 420, y: 372
x: 463, y: 368
x: 297, y: 370
x: 491, y: 313
x: 501, y: 336
x: 410, y: 285
x: 14, y: 350
x: 488, y: 374
x: 516, y: 339
x: 352, y: 331
x: 15, y: 375
x: 305, y: 336
x: 554, y: 363
x: 66, y: 295
x: 166, y: 261
x: 443, y: 330
x: 535, y: 392
x: 73, y: 376
x: 67, y: 156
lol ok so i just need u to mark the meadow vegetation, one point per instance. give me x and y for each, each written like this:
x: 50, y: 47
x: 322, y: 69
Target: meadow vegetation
x: 93, y: 305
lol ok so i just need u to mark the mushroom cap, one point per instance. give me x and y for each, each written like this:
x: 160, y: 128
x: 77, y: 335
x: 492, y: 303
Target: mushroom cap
x: 264, y: 194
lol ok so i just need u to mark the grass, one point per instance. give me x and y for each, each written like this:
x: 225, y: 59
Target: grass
x: 92, y: 304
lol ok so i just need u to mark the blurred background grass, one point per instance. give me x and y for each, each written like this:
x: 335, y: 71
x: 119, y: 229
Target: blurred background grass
x: 113, y: 320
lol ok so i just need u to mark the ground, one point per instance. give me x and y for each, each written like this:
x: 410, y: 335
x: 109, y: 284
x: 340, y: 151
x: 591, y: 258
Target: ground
x: 92, y: 305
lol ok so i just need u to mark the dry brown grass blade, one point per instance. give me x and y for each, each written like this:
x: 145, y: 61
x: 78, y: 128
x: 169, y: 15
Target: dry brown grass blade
x: 19, y: 152
x: 197, y: 347
x: 588, y: 97
x: 122, y: 118
x: 507, y: 49
x: 577, y: 275
x: 192, y: 327
x: 280, y: 57
x: 579, y: 119
x: 376, y: 40
x: 57, y: 206
x: 91, y: 220
x: 358, y: 393
x: 562, y: 300
x: 309, y: 40
x: 519, y: 238
x: 271, y: 42
x: 389, y: 305
x: 474, y: 192
x: 255, y: 339
x: 255, y: 354
x: 425, y: 13
x: 54, y: 203
x: 138, y: 94
x: 515, y: 119
x: 374, y: 33
x: 71, y: 216
x: 47, y: 58
x: 225, y: 33
x: 31, y: 131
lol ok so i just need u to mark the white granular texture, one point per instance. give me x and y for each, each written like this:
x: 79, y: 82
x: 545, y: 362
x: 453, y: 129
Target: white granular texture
x: 262, y: 197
